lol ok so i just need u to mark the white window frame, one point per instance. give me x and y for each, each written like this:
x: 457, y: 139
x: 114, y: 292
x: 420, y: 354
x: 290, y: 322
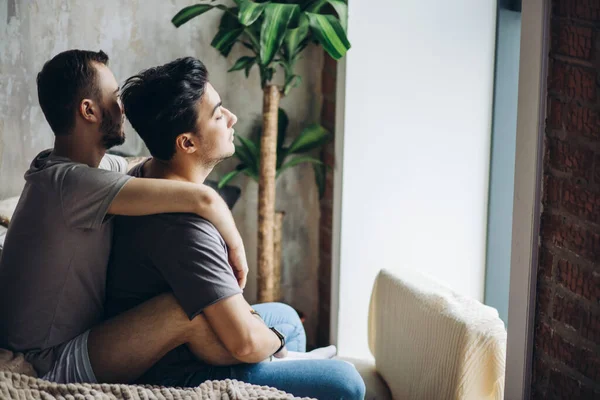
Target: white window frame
x: 531, y: 116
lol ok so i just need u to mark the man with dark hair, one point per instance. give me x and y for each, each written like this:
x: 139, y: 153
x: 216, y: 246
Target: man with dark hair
x: 188, y: 131
x: 53, y: 266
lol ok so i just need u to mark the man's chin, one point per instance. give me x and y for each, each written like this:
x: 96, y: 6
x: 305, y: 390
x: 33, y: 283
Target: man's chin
x: 111, y: 142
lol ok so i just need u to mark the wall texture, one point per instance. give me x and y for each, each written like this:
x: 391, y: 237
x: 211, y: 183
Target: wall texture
x: 138, y: 34
x: 567, y: 334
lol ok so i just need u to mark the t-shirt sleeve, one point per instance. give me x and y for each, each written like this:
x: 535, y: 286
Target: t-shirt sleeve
x: 87, y: 193
x: 193, y: 260
x: 111, y: 162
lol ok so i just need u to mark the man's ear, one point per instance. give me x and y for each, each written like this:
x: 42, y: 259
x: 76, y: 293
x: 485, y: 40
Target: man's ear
x: 89, y: 111
x: 187, y: 143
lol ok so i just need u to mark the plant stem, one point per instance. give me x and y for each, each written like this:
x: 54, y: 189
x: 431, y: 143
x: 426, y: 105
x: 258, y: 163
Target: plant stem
x: 266, y: 194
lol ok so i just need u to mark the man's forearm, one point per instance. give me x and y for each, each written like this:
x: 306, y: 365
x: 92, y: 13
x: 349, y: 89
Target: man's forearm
x: 263, y: 344
x: 142, y: 196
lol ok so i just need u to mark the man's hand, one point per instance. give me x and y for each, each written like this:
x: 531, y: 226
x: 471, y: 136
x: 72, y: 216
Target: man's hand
x: 239, y: 264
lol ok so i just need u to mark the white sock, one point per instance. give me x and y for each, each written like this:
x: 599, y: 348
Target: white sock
x: 322, y: 353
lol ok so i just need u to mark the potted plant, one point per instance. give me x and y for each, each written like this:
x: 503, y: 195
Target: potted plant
x: 248, y: 153
x: 275, y: 33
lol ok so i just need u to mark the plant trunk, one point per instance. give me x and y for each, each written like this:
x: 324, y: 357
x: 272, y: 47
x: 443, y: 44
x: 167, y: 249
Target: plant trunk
x: 266, y: 194
x: 277, y: 295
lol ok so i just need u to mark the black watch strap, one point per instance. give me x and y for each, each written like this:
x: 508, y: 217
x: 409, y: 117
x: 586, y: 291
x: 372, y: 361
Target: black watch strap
x: 281, y: 337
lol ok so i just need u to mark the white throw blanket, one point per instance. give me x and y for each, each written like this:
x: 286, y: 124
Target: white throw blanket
x: 430, y: 343
x: 15, y: 386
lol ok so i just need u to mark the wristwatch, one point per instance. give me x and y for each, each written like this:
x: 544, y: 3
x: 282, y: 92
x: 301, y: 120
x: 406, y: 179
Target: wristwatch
x: 280, y: 336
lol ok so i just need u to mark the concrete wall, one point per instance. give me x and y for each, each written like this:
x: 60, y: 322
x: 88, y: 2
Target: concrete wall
x: 138, y: 34
x: 416, y: 150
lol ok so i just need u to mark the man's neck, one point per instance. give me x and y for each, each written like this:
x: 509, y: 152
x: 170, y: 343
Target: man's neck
x: 73, y: 148
x: 176, y: 170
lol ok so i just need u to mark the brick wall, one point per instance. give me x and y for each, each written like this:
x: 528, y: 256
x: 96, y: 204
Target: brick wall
x: 329, y: 77
x: 567, y: 321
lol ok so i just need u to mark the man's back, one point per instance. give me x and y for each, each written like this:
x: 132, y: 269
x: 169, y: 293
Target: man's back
x: 53, y: 266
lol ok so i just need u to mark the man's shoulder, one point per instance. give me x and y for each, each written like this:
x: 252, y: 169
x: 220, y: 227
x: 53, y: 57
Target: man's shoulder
x: 192, y: 224
x: 176, y: 227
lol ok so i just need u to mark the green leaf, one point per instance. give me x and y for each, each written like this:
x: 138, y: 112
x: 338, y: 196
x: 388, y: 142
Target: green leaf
x: 246, y: 157
x: 225, y: 39
x: 253, y: 151
x: 228, y: 177
x: 341, y: 8
x: 247, y: 68
x: 190, y: 12
x: 229, y: 20
x: 310, y: 138
x: 242, y: 63
x: 294, y: 37
x: 250, y: 12
x: 272, y: 32
x: 331, y: 35
x: 291, y: 82
x: 298, y: 160
x: 320, y: 177
x: 251, y: 174
x: 282, y: 125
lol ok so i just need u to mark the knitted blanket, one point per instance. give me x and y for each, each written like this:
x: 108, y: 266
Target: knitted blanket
x: 14, y: 386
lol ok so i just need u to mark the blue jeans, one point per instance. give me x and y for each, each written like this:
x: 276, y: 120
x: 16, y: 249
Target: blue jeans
x: 321, y: 379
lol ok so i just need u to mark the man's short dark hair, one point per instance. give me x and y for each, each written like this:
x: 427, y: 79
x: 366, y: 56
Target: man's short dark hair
x: 161, y: 103
x: 63, y: 82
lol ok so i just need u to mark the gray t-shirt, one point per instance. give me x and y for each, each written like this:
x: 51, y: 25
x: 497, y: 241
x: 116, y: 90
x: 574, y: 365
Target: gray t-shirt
x: 53, y: 266
x: 179, y: 253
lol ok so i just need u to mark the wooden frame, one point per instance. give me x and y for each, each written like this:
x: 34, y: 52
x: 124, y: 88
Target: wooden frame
x: 527, y: 198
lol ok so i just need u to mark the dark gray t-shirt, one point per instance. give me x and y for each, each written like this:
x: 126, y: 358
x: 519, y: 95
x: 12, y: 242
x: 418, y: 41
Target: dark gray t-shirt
x: 179, y: 253
x: 53, y: 266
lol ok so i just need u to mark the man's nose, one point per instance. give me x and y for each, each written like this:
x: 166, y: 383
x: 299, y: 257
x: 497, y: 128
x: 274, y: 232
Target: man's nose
x: 232, y: 120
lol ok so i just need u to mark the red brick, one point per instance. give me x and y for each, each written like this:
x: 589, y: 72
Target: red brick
x: 575, y: 82
x: 555, y: 118
x: 581, y: 9
x: 545, y: 264
x: 556, y: 77
x: 581, y: 202
x: 559, y: 349
x: 538, y: 393
x: 590, y: 325
x: 570, y: 40
x: 570, y: 158
x: 589, y: 364
x: 579, y: 280
x: 552, y: 190
x: 555, y: 346
x: 597, y: 170
x: 540, y: 372
x: 564, y: 234
x: 567, y: 311
x: 544, y: 294
x: 582, y: 120
x: 565, y: 387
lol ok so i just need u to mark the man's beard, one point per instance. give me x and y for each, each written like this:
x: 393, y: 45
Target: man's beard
x: 112, y: 131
